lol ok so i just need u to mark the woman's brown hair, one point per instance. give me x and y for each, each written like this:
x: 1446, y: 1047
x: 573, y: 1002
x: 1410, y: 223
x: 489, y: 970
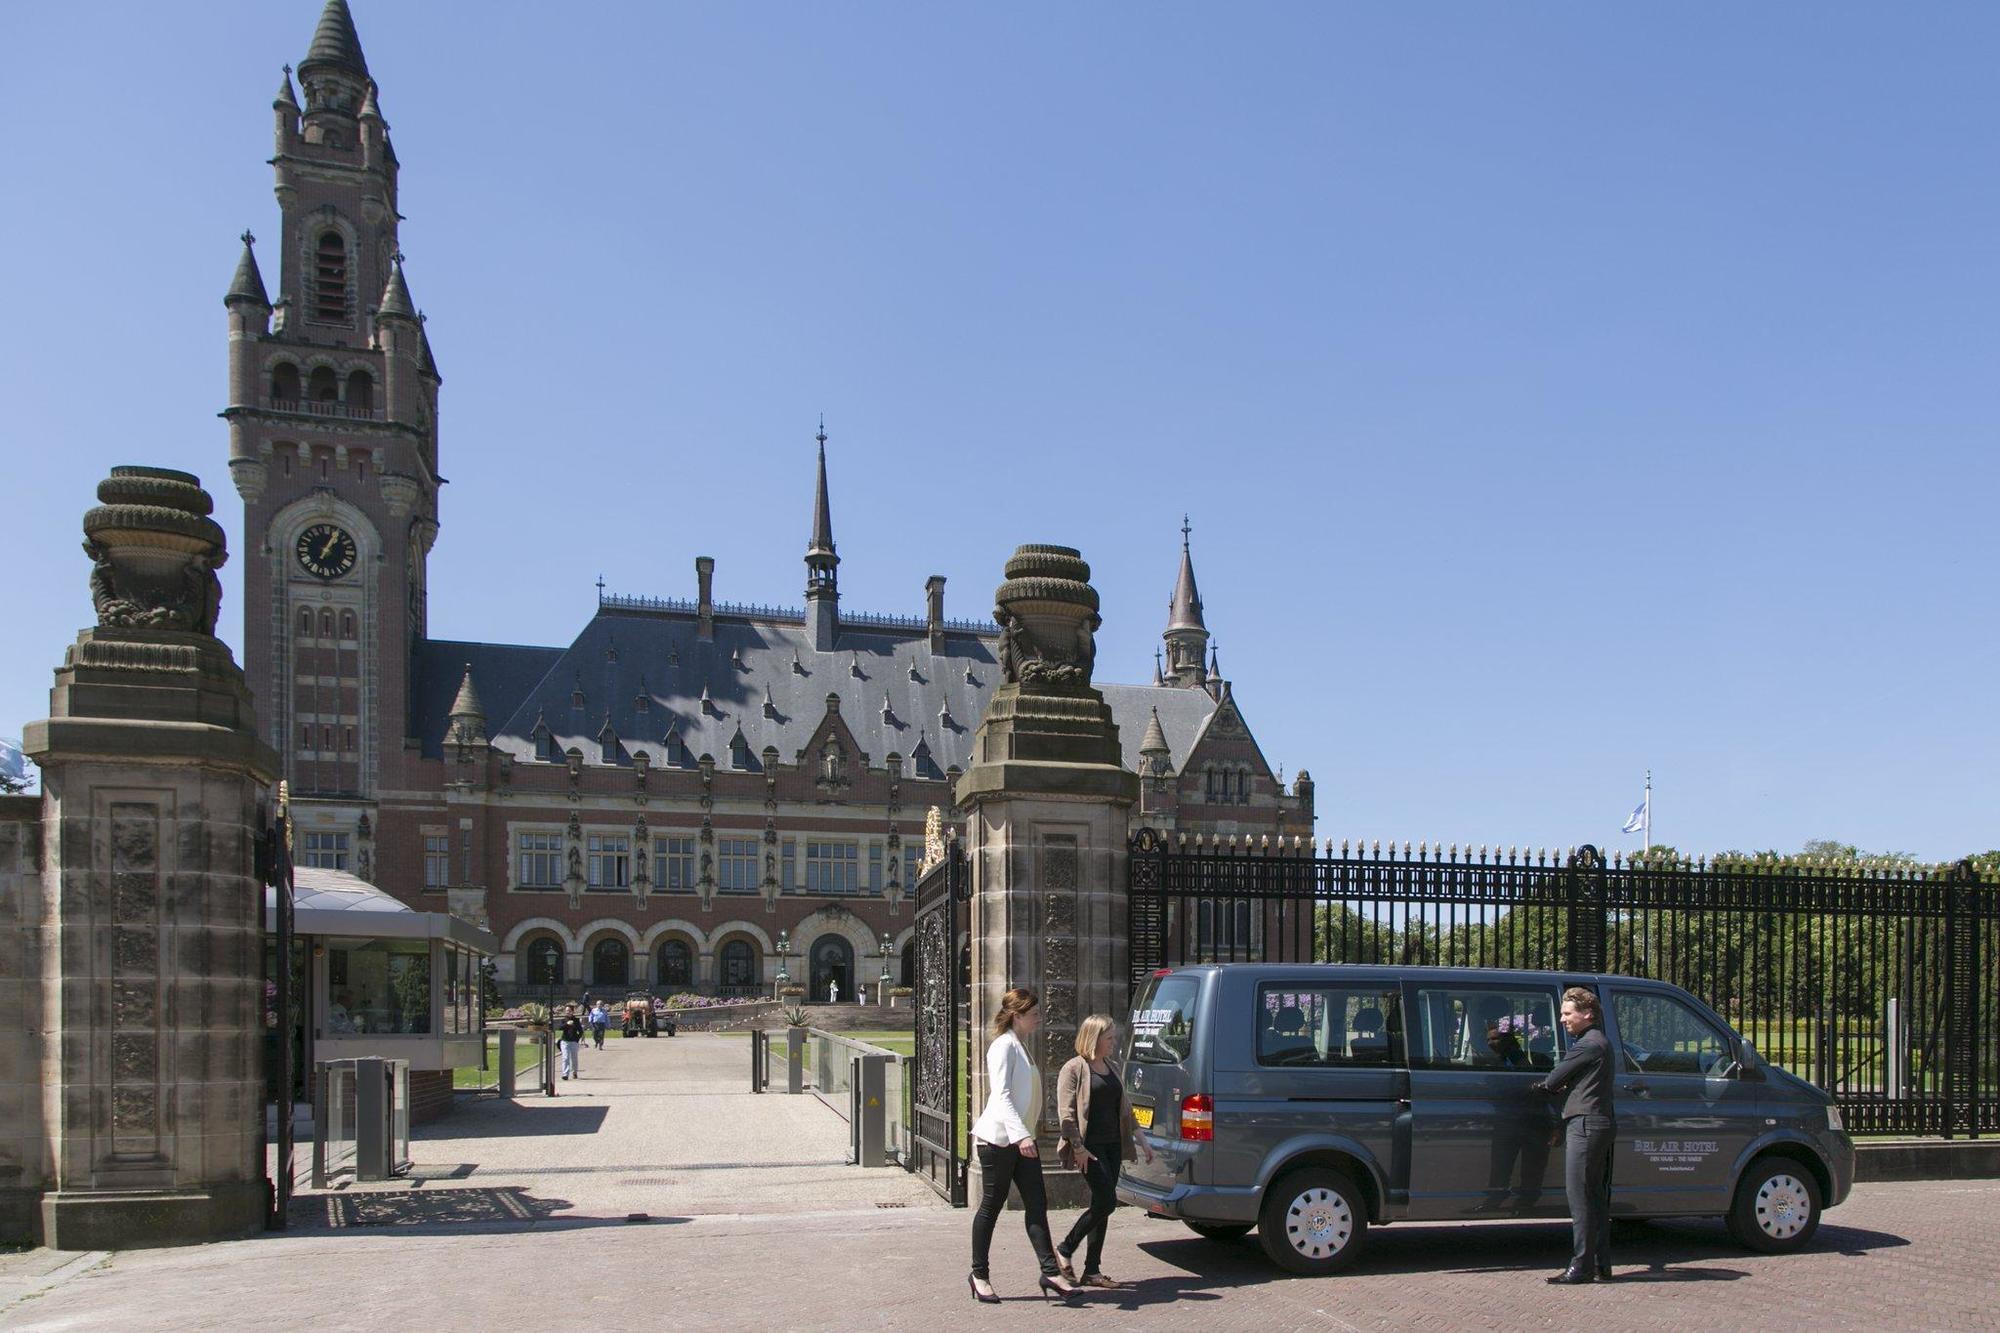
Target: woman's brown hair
x: 1093, y: 1027
x: 1013, y: 1004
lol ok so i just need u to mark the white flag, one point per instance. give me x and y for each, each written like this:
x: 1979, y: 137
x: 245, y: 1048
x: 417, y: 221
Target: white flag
x: 1637, y: 823
x: 13, y: 763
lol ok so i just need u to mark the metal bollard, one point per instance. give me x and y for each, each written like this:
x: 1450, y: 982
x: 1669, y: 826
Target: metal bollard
x: 869, y: 1110
x: 756, y: 1059
x: 507, y: 1039
x: 374, y: 1137
x: 795, y: 1060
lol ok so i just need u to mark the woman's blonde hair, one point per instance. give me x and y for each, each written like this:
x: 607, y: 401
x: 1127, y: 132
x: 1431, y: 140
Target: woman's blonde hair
x: 1086, y: 1036
x: 1014, y: 1003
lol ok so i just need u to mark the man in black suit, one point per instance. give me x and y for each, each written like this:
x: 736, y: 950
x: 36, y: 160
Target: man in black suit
x: 1588, y: 1128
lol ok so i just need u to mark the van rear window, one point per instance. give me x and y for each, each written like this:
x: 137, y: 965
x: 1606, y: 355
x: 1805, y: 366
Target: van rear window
x: 1163, y: 1020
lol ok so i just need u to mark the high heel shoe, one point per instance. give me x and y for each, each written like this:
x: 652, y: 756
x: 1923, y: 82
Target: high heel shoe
x: 1054, y: 1287
x: 984, y: 1298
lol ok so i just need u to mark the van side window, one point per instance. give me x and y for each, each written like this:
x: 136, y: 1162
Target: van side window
x: 1662, y: 1035
x: 1485, y: 1027
x: 1329, y: 1025
x: 1163, y: 1020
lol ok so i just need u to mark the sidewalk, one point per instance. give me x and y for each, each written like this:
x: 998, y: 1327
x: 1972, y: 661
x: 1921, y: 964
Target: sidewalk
x: 667, y: 1127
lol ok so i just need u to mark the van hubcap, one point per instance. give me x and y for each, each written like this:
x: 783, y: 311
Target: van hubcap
x: 1319, y: 1224
x: 1783, y: 1207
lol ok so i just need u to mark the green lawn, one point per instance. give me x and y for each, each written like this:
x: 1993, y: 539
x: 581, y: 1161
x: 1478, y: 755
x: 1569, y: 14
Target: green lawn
x: 472, y: 1076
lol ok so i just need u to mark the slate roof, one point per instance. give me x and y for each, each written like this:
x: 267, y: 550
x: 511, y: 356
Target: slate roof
x: 396, y: 293
x: 248, y: 284
x: 505, y: 673
x: 763, y: 680
x: 334, y: 41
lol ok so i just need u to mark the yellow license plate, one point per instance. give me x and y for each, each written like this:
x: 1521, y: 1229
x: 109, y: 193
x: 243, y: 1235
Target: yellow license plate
x: 1144, y: 1115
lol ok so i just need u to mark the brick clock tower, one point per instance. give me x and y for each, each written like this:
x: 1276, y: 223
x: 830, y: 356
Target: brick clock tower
x: 333, y: 448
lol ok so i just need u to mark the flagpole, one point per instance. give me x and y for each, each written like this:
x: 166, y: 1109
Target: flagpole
x: 1649, y: 810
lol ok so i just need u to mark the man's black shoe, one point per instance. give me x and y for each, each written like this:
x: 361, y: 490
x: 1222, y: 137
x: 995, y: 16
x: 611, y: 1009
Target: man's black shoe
x: 1571, y: 1277
x: 1604, y: 1272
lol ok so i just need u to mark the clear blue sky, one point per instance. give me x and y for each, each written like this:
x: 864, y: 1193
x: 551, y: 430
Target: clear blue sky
x: 1558, y: 391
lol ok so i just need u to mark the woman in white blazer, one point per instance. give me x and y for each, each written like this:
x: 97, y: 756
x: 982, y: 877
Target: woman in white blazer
x: 1004, y: 1137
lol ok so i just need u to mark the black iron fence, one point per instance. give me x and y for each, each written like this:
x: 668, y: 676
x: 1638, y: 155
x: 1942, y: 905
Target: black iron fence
x: 1881, y: 985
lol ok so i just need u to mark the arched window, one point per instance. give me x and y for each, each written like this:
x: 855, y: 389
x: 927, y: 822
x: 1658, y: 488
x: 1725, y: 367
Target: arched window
x: 323, y: 386
x: 326, y: 623
x: 306, y: 621
x: 346, y: 624
x: 285, y: 382
x: 610, y: 962
x: 330, y: 278
x: 739, y: 966
x: 360, y: 391
x: 545, y: 962
x: 676, y: 964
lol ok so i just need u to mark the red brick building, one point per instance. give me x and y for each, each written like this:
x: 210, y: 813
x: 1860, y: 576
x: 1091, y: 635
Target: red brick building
x: 686, y: 784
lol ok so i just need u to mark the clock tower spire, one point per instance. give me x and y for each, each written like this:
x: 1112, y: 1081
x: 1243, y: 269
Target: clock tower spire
x: 332, y: 414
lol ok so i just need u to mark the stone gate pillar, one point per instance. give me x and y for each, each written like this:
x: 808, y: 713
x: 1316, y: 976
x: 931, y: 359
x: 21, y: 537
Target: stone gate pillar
x: 1047, y: 801
x: 150, y: 919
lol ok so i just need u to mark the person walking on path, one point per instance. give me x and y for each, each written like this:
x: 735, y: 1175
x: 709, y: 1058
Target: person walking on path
x: 1004, y: 1136
x: 1588, y: 1132
x: 571, y: 1035
x: 1098, y: 1133
x: 599, y: 1020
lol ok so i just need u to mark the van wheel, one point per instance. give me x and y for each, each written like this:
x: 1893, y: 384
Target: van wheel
x: 1777, y: 1206
x: 1313, y: 1221
x: 1223, y: 1231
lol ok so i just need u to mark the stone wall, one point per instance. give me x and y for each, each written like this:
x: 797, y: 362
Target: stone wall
x: 23, y: 1156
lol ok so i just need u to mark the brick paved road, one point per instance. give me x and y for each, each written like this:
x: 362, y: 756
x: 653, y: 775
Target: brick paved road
x: 1905, y: 1257
x: 535, y: 1235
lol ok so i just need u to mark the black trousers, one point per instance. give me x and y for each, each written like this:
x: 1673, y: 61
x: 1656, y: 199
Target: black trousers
x: 1587, y: 1143
x: 1102, y: 1175
x: 1002, y: 1169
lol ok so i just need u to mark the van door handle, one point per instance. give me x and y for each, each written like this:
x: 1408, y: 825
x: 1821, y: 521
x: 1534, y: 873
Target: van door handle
x: 1634, y: 1086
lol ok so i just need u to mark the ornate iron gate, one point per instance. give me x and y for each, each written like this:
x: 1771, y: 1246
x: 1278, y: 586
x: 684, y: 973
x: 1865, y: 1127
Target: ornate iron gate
x: 275, y: 864
x: 937, y: 1139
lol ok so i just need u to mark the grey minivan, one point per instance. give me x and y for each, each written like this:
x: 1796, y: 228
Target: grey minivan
x: 1308, y: 1101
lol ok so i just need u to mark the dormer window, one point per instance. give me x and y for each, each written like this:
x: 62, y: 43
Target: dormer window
x: 676, y: 748
x: 739, y: 752
x: 330, y: 278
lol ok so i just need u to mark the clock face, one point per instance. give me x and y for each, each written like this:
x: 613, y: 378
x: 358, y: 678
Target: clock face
x: 326, y: 551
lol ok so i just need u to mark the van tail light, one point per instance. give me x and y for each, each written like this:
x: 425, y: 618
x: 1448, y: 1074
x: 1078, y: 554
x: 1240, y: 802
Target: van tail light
x: 1198, y: 1117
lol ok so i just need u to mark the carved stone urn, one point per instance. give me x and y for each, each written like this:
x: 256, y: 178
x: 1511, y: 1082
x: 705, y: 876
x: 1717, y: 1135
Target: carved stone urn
x: 154, y: 551
x: 1045, y: 714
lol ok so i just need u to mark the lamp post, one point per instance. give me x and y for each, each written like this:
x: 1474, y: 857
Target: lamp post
x: 784, y: 951
x: 882, y: 993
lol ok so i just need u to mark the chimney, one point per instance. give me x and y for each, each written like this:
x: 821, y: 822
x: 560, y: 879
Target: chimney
x: 704, y: 574
x: 934, y: 610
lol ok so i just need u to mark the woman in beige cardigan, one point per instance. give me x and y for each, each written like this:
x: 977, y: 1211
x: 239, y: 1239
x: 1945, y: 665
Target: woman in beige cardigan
x: 1098, y: 1133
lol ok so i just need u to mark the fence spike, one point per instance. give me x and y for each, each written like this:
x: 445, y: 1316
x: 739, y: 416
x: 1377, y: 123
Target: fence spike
x: 1482, y: 853
x: 1378, y: 848
x: 1343, y: 847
